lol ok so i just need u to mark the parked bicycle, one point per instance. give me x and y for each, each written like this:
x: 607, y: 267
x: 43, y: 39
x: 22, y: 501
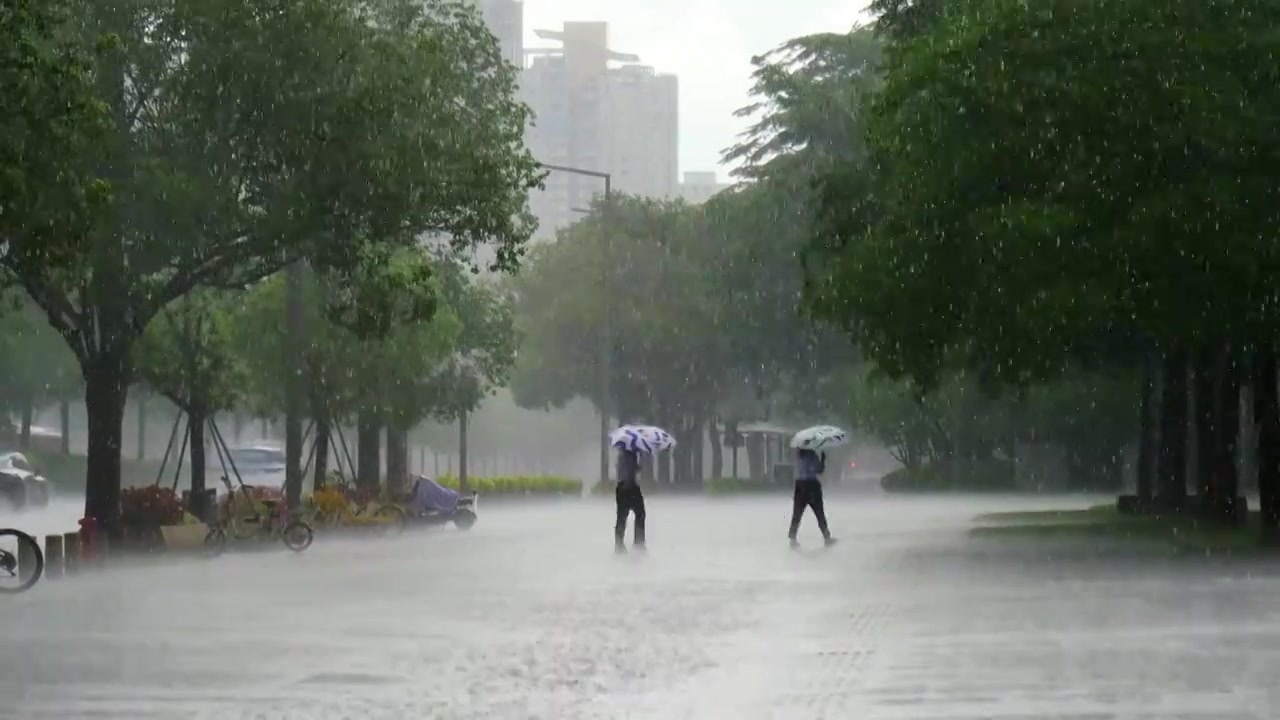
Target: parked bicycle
x: 275, y: 523
x: 340, y: 505
x: 15, y: 575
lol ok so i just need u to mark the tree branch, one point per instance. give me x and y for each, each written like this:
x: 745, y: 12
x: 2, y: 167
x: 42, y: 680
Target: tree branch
x: 60, y: 312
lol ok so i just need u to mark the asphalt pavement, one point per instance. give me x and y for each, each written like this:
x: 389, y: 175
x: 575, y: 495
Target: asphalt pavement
x: 532, y: 615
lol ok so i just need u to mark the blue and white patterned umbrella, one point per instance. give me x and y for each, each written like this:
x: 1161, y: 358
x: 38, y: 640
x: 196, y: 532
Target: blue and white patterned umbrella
x: 641, y: 438
x: 819, y: 437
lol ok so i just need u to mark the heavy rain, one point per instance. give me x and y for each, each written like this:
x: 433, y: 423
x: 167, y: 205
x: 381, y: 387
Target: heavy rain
x: 565, y: 359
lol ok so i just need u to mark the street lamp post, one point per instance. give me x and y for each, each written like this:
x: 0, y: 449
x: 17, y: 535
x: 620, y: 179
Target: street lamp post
x: 604, y: 362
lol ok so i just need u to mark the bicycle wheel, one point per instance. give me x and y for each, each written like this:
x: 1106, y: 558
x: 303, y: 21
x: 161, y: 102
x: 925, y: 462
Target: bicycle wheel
x: 215, y: 543
x: 12, y: 563
x: 297, y: 536
x: 464, y: 519
x: 392, y: 519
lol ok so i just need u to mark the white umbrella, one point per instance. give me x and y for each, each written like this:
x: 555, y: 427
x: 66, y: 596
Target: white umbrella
x: 641, y: 438
x: 819, y: 437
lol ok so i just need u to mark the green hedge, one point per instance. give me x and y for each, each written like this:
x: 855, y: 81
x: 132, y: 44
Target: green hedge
x: 710, y: 486
x: 518, y: 485
x: 991, y: 475
x: 740, y: 486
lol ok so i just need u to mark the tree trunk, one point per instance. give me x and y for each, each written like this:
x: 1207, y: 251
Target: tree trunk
x: 28, y: 417
x: 1205, y: 373
x: 1248, y: 430
x: 1266, y: 411
x: 368, y: 452
x: 106, y: 390
x: 237, y: 426
x: 64, y: 419
x: 397, y: 459
x: 1173, y: 429
x: 319, y: 478
x: 1226, y: 477
x: 697, y: 455
x: 717, y: 449
x: 295, y: 388
x: 462, y: 453
x: 755, y: 457
x: 683, y: 460
x: 1147, y: 435
x: 199, y: 422
x: 142, y: 426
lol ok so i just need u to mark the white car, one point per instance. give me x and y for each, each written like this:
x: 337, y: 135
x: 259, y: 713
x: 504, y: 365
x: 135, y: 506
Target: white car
x: 20, y: 485
x: 262, y: 465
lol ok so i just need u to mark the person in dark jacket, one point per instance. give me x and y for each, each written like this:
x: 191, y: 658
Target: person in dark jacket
x: 808, y: 493
x: 629, y: 499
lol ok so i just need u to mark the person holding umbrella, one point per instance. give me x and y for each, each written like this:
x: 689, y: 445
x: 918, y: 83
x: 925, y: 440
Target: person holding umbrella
x: 629, y: 499
x: 811, y: 462
x: 630, y: 441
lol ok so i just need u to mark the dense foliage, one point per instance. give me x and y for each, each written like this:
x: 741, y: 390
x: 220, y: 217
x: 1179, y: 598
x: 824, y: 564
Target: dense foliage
x: 971, y: 230
x: 1023, y: 216
x: 161, y: 147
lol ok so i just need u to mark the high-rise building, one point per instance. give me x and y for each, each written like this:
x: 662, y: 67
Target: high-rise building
x: 620, y: 119
x: 505, y: 19
x: 699, y: 187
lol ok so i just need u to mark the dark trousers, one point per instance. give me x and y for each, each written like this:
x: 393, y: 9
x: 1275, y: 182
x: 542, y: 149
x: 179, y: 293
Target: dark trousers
x: 630, y: 500
x: 808, y: 495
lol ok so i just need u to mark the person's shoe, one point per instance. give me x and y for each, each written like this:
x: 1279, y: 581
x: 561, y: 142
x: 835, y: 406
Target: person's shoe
x: 640, y: 547
x: 830, y: 541
x: 795, y: 544
x: 620, y: 548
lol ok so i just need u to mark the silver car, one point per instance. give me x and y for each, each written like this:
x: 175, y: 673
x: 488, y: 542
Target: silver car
x: 262, y: 465
x: 20, y: 485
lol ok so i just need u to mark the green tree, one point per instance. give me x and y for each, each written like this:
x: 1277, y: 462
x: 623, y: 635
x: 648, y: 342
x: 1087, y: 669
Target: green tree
x: 1015, y: 209
x: 356, y: 324
x: 48, y: 192
x: 665, y: 323
x: 188, y: 355
x: 242, y: 141
x: 38, y: 366
x: 806, y: 113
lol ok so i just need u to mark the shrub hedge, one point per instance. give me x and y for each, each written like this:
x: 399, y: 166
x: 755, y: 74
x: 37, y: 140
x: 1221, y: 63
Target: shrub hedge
x: 710, y: 486
x: 739, y: 486
x: 990, y: 475
x: 517, y: 485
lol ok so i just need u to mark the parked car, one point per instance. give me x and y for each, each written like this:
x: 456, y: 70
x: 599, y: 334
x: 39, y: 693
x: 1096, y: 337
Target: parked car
x: 262, y: 465
x: 20, y: 484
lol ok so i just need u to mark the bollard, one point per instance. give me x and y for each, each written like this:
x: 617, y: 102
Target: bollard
x: 88, y: 542
x: 53, y: 556
x: 73, y: 552
x: 27, y: 561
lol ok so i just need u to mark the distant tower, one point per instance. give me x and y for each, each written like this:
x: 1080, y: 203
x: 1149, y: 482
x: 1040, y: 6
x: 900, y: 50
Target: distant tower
x: 622, y: 120
x: 505, y: 19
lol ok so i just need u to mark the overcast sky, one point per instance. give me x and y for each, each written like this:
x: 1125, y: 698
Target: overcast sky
x: 708, y: 43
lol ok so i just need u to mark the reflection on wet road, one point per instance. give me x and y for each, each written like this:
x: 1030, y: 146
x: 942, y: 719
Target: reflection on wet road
x: 531, y: 615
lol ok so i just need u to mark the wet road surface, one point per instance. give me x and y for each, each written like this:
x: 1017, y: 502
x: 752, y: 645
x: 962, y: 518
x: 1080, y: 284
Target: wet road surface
x: 531, y: 615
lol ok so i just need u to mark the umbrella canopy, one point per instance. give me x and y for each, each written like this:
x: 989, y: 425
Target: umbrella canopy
x: 819, y: 437
x: 641, y: 438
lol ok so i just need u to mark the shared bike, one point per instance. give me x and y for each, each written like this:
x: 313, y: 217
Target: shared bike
x: 22, y: 567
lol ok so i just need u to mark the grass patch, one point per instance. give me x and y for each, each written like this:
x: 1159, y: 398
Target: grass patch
x: 1182, y: 533
x: 1040, y: 517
